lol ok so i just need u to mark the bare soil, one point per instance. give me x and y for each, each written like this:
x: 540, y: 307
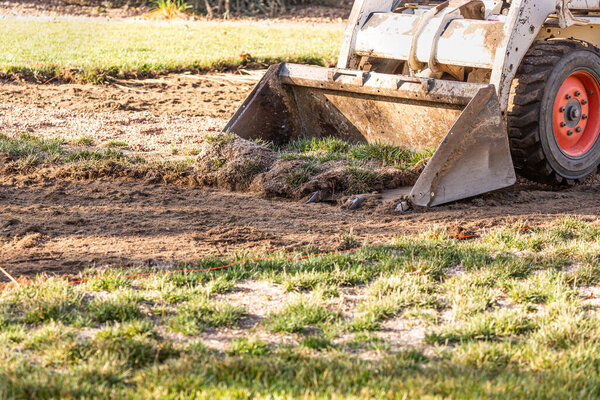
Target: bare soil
x: 150, y: 115
x: 61, y: 225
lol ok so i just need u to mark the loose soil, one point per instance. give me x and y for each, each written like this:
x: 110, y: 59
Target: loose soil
x: 153, y: 115
x: 64, y: 226
x: 61, y: 225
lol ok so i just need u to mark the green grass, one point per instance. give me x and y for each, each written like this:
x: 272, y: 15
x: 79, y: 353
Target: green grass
x: 83, y: 141
x: 28, y: 146
x: 116, y: 143
x: 332, y: 149
x: 194, y: 316
x: 503, y: 316
x: 26, y: 152
x: 299, y: 315
x: 90, y: 50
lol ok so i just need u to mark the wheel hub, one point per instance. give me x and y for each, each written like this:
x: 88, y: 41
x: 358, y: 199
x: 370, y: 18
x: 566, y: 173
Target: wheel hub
x: 575, y: 129
x: 572, y: 113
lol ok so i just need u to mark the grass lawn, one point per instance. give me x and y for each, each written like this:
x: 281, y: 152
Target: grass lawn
x: 505, y: 316
x: 89, y: 49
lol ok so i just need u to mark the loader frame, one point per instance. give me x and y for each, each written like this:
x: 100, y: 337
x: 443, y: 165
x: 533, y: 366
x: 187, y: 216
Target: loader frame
x: 522, y: 27
x: 464, y: 117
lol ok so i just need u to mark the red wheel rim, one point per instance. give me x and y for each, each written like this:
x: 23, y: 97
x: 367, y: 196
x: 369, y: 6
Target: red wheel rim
x: 575, y: 116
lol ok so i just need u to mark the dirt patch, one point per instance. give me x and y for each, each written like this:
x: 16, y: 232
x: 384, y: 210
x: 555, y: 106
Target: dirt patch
x: 109, y: 217
x: 165, y: 115
x: 124, y: 222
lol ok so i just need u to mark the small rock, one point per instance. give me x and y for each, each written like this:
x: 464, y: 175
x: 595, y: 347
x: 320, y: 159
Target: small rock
x: 478, y: 201
x: 315, y: 198
x: 403, y: 206
x: 357, y: 202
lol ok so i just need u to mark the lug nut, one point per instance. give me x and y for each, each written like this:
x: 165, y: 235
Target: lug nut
x: 584, y: 116
x: 584, y: 102
x: 562, y: 124
x: 577, y: 93
x: 562, y: 109
x: 569, y: 133
x: 568, y: 97
x: 578, y: 130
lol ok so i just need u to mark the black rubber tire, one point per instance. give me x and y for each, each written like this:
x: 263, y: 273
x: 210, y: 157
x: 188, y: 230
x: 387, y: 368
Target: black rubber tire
x: 534, y: 149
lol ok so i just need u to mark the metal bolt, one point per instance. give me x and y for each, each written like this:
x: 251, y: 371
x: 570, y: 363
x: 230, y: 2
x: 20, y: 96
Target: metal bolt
x: 562, y: 124
x: 577, y: 93
x: 578, y: 130
x: 584, y: 102
x: 562, y: 109
x: 584, y: 116
x: 568, y: 96
x: 569, y: 133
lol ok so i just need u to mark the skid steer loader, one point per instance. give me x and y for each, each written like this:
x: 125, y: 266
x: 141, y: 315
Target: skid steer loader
x: 493, y: 86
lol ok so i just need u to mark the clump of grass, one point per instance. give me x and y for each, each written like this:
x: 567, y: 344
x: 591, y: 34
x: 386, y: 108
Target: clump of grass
x: 485, y: 326
x: 389, y: 295
x: 361, y: 180
x: 116, y: 143
x: 135, y: 344
x: 366, y: 341
x: 316, y: 342
x: 349, y: 241
x: 587, y: 272
x: 48, y: 335
x: 222, y: 138
x: 29, y: 146
x: 250, y: 347
x: 187, y: 279
x: 169, y: 9
x: 83, y: 141
x: 108, y: 283
x: 326, y: 279
x: 322, y: 145
x: 249, y: 169
x: 542, y: 288
x: 331, y: 148
x: 193, y: 317
x: 299, y: 175
x: 87, y: 155
x: 54, y: 301
x: 398, y: 157
x: 219, y: 285
x: 120, y: 308
x: 298, y: 316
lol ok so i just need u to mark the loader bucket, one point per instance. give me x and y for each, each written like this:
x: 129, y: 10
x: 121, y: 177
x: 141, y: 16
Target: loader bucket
x: 462, y: 121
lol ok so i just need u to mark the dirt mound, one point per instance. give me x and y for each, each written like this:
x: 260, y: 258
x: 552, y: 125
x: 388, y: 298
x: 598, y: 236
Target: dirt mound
x: 229, y: 162
x: 232, y: 163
